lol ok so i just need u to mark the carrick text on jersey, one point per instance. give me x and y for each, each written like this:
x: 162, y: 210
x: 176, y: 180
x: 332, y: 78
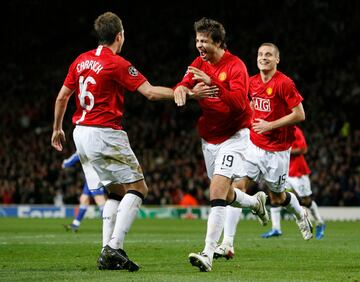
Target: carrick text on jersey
x: 89, y: 64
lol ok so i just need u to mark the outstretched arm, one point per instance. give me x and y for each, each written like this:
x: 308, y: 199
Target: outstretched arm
x: 58, y: 134
x: 180, y: 93
x: 154, y: 93
x: 198, y: 92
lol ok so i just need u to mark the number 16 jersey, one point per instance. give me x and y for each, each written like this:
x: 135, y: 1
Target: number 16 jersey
x: 99, y: 78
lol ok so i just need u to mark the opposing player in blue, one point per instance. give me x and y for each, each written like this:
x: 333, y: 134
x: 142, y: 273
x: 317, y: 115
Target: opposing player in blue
x: 98, y: 196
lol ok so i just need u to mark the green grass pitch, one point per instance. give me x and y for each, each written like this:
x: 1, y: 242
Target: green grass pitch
x: 41, y: 250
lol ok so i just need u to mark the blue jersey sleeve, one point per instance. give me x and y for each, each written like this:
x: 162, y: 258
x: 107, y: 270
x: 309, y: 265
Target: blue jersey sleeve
x: 71, y: 161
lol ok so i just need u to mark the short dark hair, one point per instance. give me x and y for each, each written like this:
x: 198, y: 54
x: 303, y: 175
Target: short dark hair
x: 213, y: 29
x: 107, y: 26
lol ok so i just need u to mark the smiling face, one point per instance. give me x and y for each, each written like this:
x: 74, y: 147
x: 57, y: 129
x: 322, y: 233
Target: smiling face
x: 208, y: 49
x: 268, y: 58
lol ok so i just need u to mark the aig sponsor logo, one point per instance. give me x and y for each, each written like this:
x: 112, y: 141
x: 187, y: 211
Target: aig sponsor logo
x: 262, y: 105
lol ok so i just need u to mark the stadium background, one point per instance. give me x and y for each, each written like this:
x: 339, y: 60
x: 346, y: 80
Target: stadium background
x: 317, y: 40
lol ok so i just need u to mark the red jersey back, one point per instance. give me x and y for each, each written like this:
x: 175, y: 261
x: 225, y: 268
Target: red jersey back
x: 271, y: 101
x: 298, y: 164
x: 99, y: 78
x: 228, y: 112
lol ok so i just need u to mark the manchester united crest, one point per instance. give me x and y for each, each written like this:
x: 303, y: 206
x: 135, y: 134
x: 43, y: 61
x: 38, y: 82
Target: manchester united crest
x: 269, y: 91
x: 222, y: 76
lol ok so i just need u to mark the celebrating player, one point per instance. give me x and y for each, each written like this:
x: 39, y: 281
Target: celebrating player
x: 223, y: 127
x: 99, y: 78
x: 277, y: 107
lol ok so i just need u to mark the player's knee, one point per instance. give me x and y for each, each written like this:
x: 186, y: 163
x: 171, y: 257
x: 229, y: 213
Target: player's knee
x: 114, y: 196
x: 143, y: 189
x: 306, y: 201
x: 275, y: 202
x: 100, y: 200
x: 139, y: 186
x: 240, y: 183
x: 280, y: 199
x: 84, y: 200
x: 230, y: 198
x: 218, y: 203
x: 137, y: 193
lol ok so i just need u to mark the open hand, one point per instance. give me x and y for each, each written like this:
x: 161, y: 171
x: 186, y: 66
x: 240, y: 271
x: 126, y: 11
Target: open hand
x: 199, y: 75
x: 201, y: 91
x: 180, y: 95
x: 57, y: 137
x: 260, y: 126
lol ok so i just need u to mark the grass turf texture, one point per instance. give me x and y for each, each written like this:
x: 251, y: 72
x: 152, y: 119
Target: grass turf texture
x: 41, y: 250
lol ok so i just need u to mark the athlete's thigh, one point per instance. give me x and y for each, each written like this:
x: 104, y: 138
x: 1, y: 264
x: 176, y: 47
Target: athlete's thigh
x: 87, y: 143
x: 219, y: 187
x: 209, y: 152
x: 139, y: 186
x: 118, y: 163
x: 301, y: 185
x: 84, y: 199
x: 277, y: 169
x: 229, y: 161
x: 100, y: 200
x: 253, y: 164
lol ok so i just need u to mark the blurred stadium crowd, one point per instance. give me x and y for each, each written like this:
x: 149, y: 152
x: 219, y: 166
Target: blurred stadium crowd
x: 318, y: 51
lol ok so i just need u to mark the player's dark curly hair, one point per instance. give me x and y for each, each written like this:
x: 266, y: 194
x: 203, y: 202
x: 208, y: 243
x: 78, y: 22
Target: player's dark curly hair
x: 107, y: 26
x: 214, y: 29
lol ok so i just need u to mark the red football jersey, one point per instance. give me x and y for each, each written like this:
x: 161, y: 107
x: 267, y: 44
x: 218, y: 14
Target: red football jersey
x: 228, y: 112
x: 271, y: 101
x: 99, y: 78
x: 298, y: 164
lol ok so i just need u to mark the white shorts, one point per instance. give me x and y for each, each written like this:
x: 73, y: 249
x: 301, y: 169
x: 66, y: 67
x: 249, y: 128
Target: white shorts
x: 301, y: 185
x: 271, y: 167
x: 107, y: 152
x: 227, y: 157
x: 91, y: 177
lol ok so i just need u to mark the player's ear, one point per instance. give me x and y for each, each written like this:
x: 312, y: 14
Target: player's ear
x: 119, y: 36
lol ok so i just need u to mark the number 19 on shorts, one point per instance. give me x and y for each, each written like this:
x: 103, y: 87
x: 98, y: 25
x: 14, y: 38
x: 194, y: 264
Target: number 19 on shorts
x: 228, y: 160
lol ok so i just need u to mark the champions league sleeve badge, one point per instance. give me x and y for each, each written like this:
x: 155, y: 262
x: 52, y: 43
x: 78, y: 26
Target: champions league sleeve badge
x: 133, y: 71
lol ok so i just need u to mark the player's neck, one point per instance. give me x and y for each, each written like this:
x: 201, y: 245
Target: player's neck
x: 217, y: 57
x: 113, y: 47
x: 266, y: 75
